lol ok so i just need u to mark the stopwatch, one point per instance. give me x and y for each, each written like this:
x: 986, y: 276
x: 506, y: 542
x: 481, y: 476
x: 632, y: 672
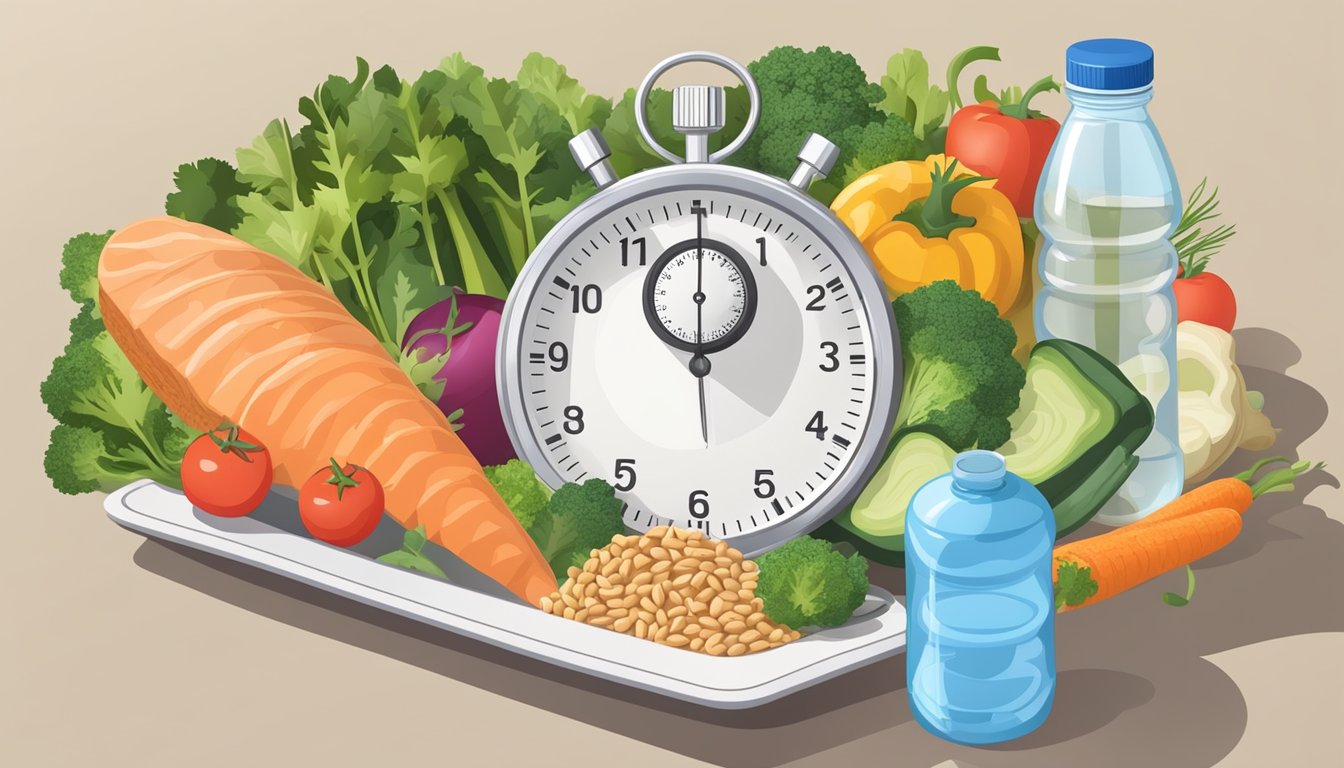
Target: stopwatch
x: 708, y: 339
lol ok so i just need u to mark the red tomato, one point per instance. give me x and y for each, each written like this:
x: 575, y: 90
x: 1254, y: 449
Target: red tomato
x: 226, y: 472
x: 1206, y: 298
x: 341, y: 506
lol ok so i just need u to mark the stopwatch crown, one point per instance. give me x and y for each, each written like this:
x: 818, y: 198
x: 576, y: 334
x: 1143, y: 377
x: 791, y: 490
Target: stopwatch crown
x: 697, y: 111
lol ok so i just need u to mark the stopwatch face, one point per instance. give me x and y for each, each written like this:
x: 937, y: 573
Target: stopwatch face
x: 719, y: 351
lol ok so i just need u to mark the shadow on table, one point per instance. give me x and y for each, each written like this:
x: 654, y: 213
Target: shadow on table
x: 1131, y: 671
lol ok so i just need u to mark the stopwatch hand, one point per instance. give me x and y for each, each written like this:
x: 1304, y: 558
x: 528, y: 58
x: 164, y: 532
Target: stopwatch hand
x: 704, y: 419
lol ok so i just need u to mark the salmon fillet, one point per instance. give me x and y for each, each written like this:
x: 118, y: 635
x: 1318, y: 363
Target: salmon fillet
x: 223, y: 332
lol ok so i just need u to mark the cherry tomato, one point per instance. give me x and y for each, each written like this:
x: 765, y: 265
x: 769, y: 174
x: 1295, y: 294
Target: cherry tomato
x: 226, y: 472
x: 1206, y: 298
x: 341, y: 505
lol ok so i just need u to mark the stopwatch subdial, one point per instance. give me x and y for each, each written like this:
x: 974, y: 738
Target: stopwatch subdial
x: 722, y: 291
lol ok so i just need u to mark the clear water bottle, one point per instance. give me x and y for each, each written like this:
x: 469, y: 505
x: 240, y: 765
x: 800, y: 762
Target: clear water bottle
x: 1106, y: 207
x: 980, y: 665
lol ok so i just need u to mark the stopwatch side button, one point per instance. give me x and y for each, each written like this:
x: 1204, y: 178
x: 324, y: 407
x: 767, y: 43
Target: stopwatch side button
x: 592, y: 155
x: 815, y: 159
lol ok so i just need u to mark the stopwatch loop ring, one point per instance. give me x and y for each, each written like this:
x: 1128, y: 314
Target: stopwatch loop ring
x: 646, y: 88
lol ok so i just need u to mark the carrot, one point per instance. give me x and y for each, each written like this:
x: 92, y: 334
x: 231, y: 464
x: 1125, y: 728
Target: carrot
x: 1235, y: 492
x: 1193, y: 526
x: 1094, y: 569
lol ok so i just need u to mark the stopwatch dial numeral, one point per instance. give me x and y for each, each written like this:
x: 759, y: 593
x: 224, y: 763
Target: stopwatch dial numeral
x: 816, y: 294
x: 636, y: 245
x: 698, y: 504
x: 765, y: 487
x: 817, y: 425
x: 625, y: 475
x: 760, y: 242
x: 573, y: 419
x: 559, y: 356
x: 831, y: 351
x: 587, y: 298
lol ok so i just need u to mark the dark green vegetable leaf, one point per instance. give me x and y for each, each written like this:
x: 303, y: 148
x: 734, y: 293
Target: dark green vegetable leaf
x: 1073, y: 585
x: 207, y: 192
x: 411, y: 557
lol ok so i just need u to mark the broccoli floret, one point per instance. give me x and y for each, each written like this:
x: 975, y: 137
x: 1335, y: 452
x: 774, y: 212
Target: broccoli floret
x: 822, y: 91
x: 525, y: 494
x: 93, y: 386
x: 879, y: 143
x: 807, y: 583
x: 79, y: 265
x: 583, y: 518
x: 86, y: 324
x: 80, y: 460
x: 113, y: 429
x: 961, y: 379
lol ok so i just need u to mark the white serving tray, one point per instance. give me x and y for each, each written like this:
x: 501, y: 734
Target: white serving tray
x: 273, y: 539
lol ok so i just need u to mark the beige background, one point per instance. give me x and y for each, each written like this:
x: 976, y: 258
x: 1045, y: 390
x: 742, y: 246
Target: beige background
x: 116, y: 651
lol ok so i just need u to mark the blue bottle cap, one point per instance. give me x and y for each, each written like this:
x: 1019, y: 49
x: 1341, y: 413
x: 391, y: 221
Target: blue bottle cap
x: 1109, y: 64
x: 979, y: 470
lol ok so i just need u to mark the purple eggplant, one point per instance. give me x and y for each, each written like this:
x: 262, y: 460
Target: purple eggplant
x: 461, y: 331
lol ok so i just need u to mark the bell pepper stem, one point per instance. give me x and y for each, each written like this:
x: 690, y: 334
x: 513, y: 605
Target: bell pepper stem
x: 1022, y: 109
x: 959, y: 62
x: 933, y: 216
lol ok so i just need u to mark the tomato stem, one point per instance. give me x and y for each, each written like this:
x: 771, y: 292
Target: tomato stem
x: 230, y: 443
x: 340, y: 479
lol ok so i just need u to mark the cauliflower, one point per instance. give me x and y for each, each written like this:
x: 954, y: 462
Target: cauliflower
x: 1217, y: 414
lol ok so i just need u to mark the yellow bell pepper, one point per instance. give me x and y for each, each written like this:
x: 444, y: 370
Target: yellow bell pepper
x: 928, y: 220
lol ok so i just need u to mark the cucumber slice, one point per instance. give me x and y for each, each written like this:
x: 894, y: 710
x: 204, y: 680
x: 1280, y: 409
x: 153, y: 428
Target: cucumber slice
x: 876, y: 521
x: 880, y: 509
x: 1061, y: 415
x: 1073, y: 436
x: 1076, y: 408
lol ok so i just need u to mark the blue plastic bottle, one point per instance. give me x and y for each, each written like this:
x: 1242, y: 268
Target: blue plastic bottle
x: 980, y: 664
x: 1106, y: 207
